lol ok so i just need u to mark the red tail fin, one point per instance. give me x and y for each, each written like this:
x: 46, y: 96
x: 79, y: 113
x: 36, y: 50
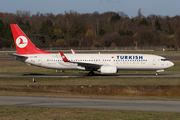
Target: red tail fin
x: 23, y: 43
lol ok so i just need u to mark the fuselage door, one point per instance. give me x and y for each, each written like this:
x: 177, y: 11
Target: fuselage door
x: 39, y: 61
x: 154, y: 61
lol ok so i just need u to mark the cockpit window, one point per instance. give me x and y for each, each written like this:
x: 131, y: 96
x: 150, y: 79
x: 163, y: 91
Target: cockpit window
x: 163, y: 59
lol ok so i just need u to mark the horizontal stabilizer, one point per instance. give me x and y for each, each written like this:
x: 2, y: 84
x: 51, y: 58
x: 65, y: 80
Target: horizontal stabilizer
x: 16, y: 55
x: 21, y: 58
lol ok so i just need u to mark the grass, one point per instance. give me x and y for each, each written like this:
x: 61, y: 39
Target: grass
x: 88, y: 87
x: 86, y: 81
x: 47, y: 113
x: 112, y: 88
x: 108, y: 86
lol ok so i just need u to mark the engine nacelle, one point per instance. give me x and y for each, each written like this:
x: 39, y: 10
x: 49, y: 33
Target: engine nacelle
x: 108, y: 69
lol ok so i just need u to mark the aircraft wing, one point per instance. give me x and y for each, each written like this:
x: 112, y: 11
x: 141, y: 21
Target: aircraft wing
x: 84, y: 64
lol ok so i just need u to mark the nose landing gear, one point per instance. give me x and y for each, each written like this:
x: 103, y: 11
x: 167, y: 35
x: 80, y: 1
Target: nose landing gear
x: 157, y: 73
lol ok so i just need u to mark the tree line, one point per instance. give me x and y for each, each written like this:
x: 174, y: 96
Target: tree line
x: 109, y: 29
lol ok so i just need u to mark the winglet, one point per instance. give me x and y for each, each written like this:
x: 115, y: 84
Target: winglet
x: 63, y: 57
x: 72, y: 51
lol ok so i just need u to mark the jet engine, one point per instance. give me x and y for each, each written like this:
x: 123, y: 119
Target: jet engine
x: 108, y: 69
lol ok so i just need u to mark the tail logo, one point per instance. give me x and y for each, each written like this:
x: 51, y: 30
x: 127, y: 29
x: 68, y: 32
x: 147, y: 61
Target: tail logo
x: 21, y: 41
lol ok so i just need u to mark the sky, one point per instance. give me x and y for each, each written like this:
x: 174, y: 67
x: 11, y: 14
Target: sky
x: 130, y: 7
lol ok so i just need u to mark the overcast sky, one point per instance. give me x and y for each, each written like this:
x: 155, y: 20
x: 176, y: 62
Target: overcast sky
x: 130, y: 7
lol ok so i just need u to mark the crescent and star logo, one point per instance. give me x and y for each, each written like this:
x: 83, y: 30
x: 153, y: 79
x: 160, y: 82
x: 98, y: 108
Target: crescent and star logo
x: 21, y: 41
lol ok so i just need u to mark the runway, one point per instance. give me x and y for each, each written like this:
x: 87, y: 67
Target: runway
x: 7, y: 57
x: 135, y: 105
x: 85, y: 75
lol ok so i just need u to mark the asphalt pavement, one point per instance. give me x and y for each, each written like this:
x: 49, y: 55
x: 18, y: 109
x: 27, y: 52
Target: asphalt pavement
x: 135, y: 105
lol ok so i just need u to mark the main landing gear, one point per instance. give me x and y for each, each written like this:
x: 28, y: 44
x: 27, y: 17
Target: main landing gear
x: 157, y: 73
x: 91, y: 73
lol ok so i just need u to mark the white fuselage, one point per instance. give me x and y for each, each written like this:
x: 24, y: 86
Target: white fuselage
x: 121, y: 61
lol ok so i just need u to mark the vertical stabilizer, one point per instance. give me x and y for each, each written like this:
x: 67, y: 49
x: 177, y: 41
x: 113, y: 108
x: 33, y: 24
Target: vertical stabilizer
x: 23, y: 44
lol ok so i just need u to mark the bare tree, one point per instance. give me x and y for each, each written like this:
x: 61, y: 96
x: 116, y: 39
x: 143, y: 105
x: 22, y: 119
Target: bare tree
x: 95, y: 26
x: 139, y: 15
x: 80, y: 38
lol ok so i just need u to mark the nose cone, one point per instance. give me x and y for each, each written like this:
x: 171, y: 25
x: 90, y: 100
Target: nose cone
x: 170, y: 64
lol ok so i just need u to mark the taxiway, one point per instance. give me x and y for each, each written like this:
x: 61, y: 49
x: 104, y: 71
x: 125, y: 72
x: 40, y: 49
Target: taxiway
x: 85, y: 75
x: 135, y: 105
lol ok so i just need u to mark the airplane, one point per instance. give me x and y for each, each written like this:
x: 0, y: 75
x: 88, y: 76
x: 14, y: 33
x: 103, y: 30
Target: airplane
x: 104, y: 63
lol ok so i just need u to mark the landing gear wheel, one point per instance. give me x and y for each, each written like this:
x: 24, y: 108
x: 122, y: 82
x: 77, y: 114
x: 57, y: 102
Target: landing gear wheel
x: 91, y: 73
x: 157, y: 73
